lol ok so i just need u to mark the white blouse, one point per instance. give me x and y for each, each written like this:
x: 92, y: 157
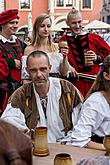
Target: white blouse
x: 55, y: 59
x: 94, y: 119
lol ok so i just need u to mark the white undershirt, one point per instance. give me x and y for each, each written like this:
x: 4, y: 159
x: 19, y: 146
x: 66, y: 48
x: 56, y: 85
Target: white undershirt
x: 13, y: 39
x: 53, y: 120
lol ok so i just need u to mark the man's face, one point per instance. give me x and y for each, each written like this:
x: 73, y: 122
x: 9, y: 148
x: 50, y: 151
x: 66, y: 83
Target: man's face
x: 75, y: 23
x: 10, y: 28
x: 39, y: 69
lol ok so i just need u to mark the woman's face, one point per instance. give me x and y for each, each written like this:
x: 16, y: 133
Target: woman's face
x: 75, y: 23
x: 45, y: 28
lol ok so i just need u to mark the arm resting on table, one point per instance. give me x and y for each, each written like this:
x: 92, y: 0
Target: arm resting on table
x: 94, y: 145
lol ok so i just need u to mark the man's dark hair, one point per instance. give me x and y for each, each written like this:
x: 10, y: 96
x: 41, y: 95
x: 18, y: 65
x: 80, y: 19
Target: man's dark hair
x: 38, y: 53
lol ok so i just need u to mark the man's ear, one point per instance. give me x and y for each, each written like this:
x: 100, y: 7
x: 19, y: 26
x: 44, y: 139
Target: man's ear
x: 67, y: 22
x: 106, y: 75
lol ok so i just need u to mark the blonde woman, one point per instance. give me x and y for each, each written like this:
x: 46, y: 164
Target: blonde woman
x: 41, y: 40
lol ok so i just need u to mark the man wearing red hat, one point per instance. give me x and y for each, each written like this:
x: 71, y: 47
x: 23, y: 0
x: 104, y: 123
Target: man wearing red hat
x: 11, y: 50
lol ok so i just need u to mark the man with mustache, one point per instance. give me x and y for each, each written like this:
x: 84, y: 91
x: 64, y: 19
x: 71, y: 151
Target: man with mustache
x: 46, y: 101
x: 11, y: 51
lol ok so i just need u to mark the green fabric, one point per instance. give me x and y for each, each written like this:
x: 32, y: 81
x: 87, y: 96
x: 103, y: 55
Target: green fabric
x: 11, y: 62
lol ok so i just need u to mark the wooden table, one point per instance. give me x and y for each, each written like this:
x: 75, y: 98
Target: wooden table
x: 75, y: 152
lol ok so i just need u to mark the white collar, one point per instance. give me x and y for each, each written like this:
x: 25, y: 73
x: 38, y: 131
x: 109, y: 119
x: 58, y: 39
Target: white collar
x: 5, y: 40
x: 82, y: 33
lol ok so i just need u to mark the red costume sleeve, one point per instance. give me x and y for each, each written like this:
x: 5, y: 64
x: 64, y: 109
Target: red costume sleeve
x: 4, y: 70
x: 98, y: 45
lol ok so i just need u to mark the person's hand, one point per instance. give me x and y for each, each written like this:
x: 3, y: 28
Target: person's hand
x: 17, y: 63
x: 90, y: 57
x: 74, y: 73
x: 26, y: 132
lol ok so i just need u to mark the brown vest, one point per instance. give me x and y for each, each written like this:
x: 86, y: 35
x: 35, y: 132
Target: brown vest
x: 24, y: 99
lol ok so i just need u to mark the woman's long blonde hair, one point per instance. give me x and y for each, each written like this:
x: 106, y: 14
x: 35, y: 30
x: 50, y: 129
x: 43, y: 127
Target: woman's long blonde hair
x: 35, y: 34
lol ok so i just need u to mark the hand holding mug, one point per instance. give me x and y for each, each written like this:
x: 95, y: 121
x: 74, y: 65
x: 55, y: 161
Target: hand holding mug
x: 89, y: 57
